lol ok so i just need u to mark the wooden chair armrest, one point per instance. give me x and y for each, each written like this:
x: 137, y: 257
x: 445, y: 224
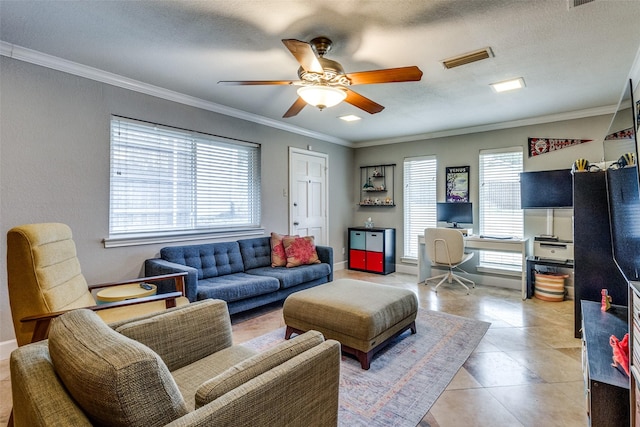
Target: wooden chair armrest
x: 41, y: 329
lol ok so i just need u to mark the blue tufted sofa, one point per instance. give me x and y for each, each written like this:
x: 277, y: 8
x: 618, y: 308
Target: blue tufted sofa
x: 240, y: 272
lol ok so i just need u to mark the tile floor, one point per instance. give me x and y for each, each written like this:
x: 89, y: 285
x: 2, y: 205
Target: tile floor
x: 525, y: 372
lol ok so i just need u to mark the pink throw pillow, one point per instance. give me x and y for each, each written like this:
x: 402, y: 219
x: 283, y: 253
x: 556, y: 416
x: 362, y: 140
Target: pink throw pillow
x: 278, y: 256
x: 300, y: 251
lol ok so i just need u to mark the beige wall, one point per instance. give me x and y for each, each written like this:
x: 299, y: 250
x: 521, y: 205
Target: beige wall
x: 54, y: 164
x: 463, y: 150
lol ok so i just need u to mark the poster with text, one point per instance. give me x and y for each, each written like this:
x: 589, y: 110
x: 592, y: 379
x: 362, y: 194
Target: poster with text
x: 457, y: 184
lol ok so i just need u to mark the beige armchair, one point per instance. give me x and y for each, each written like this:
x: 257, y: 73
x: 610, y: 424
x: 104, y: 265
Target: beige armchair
x: 176, y: 368
x: 45, y: 280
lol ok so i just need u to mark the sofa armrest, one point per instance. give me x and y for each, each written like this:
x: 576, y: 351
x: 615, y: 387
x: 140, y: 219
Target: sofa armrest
x: 39, y: 397
x: 325, y: 254
x: 254, y: 366
x: 184, y: 335
x: 159, y: 266
x: 301, y: 391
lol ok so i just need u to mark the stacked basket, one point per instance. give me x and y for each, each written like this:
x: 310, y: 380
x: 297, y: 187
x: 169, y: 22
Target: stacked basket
x: 550, y: 286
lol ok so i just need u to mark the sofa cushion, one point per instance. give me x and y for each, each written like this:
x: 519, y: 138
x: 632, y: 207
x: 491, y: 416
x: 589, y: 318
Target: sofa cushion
x: 255, y: 252
x: 184, y: 336
x: 300, y: 251
x: 189, y: 378
x: 278, y: 255
x: 234, y: 287
x: 250, y: 368
x: 115, y: 380
x: 289, y: 277
x: 211, y: 260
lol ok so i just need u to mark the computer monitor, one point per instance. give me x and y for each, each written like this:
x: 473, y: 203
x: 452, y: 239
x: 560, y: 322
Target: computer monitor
x: 454, y: 213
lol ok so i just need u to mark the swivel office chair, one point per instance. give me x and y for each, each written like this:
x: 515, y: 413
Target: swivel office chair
x: 445, y: 248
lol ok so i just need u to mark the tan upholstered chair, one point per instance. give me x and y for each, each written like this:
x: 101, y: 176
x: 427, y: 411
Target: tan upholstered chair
x: 445, y: 248
x: 44, y: 279
x: 176, y: 368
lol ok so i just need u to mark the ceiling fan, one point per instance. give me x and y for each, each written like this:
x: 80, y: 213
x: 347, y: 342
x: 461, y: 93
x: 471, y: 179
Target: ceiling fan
x: 323, y: 82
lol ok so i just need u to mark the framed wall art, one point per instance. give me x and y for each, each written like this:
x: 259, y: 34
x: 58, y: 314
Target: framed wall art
x: 457, y: 184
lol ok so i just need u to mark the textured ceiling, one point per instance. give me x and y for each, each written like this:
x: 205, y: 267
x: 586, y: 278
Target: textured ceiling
x: 572, y: 59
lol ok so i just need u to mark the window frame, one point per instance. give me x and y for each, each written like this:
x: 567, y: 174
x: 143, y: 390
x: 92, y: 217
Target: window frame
x: 428, y: 217
x: 184, y: 176
x: 501, y: 261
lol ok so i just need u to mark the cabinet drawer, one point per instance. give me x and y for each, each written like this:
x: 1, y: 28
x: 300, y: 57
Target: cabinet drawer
x: 357, y: 240
x: 636, y: 307
x: 357, y: 259
x: 375, y: 262
x: 375, y: 241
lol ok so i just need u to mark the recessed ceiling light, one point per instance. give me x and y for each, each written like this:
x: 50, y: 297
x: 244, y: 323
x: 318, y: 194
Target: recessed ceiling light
x: 508, y: 85
x: 350, y: 118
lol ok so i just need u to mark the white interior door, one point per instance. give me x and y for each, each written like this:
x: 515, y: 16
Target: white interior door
x: 308, y: 194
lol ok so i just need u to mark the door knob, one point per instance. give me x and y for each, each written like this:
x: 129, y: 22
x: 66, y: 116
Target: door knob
x: 296, y: 223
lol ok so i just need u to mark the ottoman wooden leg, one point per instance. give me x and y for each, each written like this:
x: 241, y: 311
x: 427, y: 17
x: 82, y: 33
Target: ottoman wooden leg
x: 290, y: 331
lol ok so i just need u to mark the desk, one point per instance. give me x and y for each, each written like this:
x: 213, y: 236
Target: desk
x: 483, y: 244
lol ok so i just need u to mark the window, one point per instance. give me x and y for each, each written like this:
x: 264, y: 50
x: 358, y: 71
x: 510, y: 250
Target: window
x: 500, y: 213
x: 419, y: 200
x: 168, y: 181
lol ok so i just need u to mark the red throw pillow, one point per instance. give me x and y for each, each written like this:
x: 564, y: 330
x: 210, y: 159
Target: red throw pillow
x: 300, y: 251
x: 278, y: 256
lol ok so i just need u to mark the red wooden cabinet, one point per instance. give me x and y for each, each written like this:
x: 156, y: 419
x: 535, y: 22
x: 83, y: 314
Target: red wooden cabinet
x: 357, y: 259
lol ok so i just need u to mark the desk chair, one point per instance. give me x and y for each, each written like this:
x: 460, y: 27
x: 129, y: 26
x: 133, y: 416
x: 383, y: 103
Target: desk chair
x: 445, y: 247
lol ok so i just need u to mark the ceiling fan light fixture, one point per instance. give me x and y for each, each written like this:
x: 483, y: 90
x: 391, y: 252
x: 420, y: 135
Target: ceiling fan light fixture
x: 322, y: 96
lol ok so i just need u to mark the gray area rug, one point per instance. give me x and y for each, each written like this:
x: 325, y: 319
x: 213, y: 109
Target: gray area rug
x: 405, y: 378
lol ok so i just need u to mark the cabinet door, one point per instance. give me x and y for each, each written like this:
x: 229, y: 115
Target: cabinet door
x: 357, y: 259
x: 375, y: 262
x: 357, y: 240
x: 375, y: 241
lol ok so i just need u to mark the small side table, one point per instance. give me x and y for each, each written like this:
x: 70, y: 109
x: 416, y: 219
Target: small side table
x: 124, y: 292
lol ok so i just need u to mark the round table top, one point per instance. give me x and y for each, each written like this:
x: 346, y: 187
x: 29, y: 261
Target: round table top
x: 124, y: 292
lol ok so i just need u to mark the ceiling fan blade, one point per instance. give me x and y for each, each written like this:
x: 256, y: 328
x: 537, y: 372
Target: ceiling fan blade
x: 258, y: 82
x: 389, y: 75
x: 362, y: 102
x: 295, y: 108
x: 305, y: 55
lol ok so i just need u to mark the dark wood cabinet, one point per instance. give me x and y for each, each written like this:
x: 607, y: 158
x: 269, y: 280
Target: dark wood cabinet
x: 594, y: 266
x: 372, y: 249
x: 606, y: 387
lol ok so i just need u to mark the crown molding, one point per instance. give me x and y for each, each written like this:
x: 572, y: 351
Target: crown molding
x: 49, y: 61
x: 571, y: 115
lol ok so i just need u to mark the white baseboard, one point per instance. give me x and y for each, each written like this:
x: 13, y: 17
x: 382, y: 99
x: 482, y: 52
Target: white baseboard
x: 6, y: 347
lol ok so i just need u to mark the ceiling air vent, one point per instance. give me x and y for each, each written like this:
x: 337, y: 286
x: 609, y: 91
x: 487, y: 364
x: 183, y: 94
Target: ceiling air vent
x: 575, y: 3
x: 467, y: 58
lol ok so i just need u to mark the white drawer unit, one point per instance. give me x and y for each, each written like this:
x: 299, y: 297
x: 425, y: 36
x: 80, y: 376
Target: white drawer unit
x: 374, y: 241
x: 558, y: 250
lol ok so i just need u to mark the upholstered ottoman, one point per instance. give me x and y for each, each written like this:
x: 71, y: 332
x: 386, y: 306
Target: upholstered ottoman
x: 363, y: 316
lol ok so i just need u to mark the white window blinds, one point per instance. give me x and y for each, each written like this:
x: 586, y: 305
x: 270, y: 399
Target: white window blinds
x: 167, y: 180
x: 419, y: 200
x: 500, y: 213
